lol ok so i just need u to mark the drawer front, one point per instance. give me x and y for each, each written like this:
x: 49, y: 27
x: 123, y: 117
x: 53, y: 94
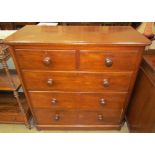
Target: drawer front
x: 103, y: 117
x: 108, y: 60
x: 101, y: 101
x: 60, y: 117
x: 75, y: 81
x: 52, y: 100
x: 46, y: 59
x: 84, y: 101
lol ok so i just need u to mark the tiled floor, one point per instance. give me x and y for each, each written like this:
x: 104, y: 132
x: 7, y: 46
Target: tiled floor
x: 11, y: 128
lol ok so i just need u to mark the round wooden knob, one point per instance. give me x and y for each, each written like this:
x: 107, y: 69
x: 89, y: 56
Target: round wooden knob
x: 102, y: 101
x: 56, y: 117
x: 47, y: 60
x: 54, y: 101
x: 105, y: 83
x: 108, y: 62
x: 100, y: 117
x: 50, y: 82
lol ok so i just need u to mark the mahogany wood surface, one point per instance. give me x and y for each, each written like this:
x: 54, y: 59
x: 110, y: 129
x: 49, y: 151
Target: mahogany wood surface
x: 107, y: 117
x: 105, y: 35
x: 150, y: 61
x: 84, y: 101
x: 48, y: 117
x: 141, y: 112
x: 78, y: 66
x: 77, y: 81
x: 149, y: 66
x: 58, y: 59
x: 95, y: 60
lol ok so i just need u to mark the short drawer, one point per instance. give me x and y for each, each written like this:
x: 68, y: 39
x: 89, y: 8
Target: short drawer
x: 61, y: 117
x: 76, y: 81
x: 83, y: 101
x: 46, y: 59
x: 115, y: 60
x: 99, y: 117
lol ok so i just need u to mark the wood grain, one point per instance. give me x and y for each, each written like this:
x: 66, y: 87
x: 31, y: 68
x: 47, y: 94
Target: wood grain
x: 71, y: 100
x: 45, y: 116
x: 76, y: 81
x: 140, y: 116
x: 59, y: 59
x: 103, y: 35
x: 78, y: 77
x: 95, y: 60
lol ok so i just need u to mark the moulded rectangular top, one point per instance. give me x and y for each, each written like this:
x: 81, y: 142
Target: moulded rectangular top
x: 103, y: 35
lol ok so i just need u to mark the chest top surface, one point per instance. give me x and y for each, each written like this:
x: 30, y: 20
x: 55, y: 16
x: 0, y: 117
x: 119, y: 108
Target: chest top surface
x: 104, y: 35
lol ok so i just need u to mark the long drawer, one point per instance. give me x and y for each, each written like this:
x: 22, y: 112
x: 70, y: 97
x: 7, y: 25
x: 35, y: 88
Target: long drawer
x: 84, y: 101
x: 61, y: 117
x: 108, y: 60
x: 46, y: 59
x: 77, y: 81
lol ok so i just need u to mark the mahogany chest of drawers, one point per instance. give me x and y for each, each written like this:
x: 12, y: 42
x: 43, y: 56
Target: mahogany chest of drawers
x: 77, y: 77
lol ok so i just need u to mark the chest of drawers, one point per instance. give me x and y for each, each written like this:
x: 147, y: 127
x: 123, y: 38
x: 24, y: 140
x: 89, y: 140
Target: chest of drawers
x: 77, y: 77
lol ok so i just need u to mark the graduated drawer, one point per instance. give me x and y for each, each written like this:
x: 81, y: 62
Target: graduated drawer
x: 84, y: 101
x: 62, y: 117
x: 76, y: 81
x: 108, y: 60
x: 46, y: 59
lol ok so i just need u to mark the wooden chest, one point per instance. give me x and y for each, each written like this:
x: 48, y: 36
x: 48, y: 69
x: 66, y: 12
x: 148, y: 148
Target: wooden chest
x: 77, y: 77
x: 141, y: 112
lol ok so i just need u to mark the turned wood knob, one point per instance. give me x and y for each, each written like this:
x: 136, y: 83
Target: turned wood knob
x: 47, y: 60
x: 54, y: 101
x: 102, y: 101
x: 56, y: 117
x: 50, y: 82
x: 108, y: 62
x: 100, y: 117
x: 105, y: 83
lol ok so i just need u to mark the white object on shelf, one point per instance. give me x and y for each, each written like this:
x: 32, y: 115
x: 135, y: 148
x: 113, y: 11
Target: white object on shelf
x: 6, y: 33
x: 47, y: 24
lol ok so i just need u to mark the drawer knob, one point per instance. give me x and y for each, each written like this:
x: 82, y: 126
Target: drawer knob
x: 47, y: 60
x: 100, y: 117
x: 102, y: 101
x: 105, y: 83
x: 56, y: 117
x: 50, y: 82
x: 54, y: 101
x: 108, y: 62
